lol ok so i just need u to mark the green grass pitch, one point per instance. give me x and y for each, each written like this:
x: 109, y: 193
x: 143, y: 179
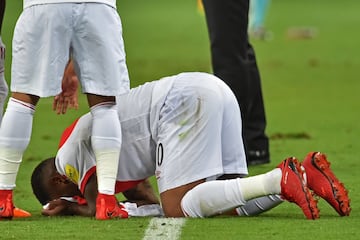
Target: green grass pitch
x: 311, y: 92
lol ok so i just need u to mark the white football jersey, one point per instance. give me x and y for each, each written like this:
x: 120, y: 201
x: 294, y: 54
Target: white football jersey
x: 75, y: 157
x: 180, y: 128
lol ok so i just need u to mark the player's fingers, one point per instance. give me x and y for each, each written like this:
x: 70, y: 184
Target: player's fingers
x: 58, y: 103
x: 58, y: 107
x: 55, y: 103
x: 64, y: 106
x: 62, y: 103
x: 73, y: 103
x: 76, y: 106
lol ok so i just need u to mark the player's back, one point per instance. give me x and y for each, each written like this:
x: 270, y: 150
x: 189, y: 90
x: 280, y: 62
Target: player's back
x: 137, y: 157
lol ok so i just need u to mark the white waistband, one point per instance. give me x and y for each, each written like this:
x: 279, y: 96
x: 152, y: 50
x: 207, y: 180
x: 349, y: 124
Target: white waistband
x: 28, y: 3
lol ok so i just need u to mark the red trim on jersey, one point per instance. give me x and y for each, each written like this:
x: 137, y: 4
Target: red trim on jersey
x: 88, y: 174
x: 123, y: 186
x: 80, y: 200
x: 120, y: 186
x: 28, y: 105
x: 67, y: 132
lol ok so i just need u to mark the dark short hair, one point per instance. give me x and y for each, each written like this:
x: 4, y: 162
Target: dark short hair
x: 38, y: 180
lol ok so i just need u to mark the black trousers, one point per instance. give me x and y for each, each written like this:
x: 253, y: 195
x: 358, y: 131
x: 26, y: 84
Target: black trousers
x: 234, y: 61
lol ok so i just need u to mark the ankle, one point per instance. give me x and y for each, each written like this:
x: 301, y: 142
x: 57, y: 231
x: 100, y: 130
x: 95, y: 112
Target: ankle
x: 5, y: 193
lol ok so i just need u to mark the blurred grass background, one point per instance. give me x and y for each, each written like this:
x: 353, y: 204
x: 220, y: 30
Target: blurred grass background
x: 311, y: 92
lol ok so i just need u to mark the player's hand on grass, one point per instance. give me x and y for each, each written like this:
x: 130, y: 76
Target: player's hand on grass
x: 68, y: 98
x: 57, y: 207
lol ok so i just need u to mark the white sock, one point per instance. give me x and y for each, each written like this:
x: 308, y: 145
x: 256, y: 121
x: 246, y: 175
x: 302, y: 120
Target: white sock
x: 106, y: 143
x: 261, y: 185
x: 215, y: 197
x: 212, y: 198
x: 15, y: 133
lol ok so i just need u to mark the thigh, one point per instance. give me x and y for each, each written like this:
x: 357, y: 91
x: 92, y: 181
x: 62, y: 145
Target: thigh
x: 98, y: 50
x: 233, y: 150
x: 40, y: 51
x: 189, y: 136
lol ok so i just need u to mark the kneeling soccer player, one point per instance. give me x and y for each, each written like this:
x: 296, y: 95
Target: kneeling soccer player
x: 185, y: 130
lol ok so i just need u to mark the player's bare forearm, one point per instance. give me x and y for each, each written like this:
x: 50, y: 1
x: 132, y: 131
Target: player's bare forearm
x: 61, y: 207
x: 81, y: 210
x: 68, y: 98
x: 90, y: 194
x: 142, y: 194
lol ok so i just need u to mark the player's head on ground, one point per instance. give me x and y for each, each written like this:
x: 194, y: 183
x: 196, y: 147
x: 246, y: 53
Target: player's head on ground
x: 47, y: 184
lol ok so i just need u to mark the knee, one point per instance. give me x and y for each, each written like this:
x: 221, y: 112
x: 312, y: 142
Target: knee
x: 190, y: 205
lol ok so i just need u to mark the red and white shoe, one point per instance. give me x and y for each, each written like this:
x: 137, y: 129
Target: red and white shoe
x: 325, y: 184
x: 107, y: 207
x: 294, y: 188
x: 6, y: 204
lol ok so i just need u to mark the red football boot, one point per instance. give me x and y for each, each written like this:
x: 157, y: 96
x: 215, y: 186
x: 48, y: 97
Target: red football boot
x: 6, y: 204
x: 107, y: 207
x: 294, y: 188
x: 324, y: 183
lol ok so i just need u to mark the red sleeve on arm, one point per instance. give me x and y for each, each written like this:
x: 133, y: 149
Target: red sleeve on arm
x: 119, y: 186
x: 67, y: 133
x: 123, y: 186
x: 80, y: 200
x: 88, y: 174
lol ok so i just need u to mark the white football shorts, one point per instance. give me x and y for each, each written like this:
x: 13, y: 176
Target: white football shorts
x: 46, y: 35
x: 199, y: 133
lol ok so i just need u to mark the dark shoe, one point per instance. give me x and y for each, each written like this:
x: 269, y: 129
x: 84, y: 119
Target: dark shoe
x: 257, y: 157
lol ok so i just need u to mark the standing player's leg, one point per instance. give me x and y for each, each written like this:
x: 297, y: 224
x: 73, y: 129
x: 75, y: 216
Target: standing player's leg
x: 257, y: 14
x: 234, y: 62
x: 99, y: 58
x: 106, y: 143
x: 15, y: 133
x: 254, y: 124
x: 30, y: 81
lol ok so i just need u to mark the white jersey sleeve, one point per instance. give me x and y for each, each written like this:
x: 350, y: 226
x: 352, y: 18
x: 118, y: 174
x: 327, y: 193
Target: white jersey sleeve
x: 75, y: 158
